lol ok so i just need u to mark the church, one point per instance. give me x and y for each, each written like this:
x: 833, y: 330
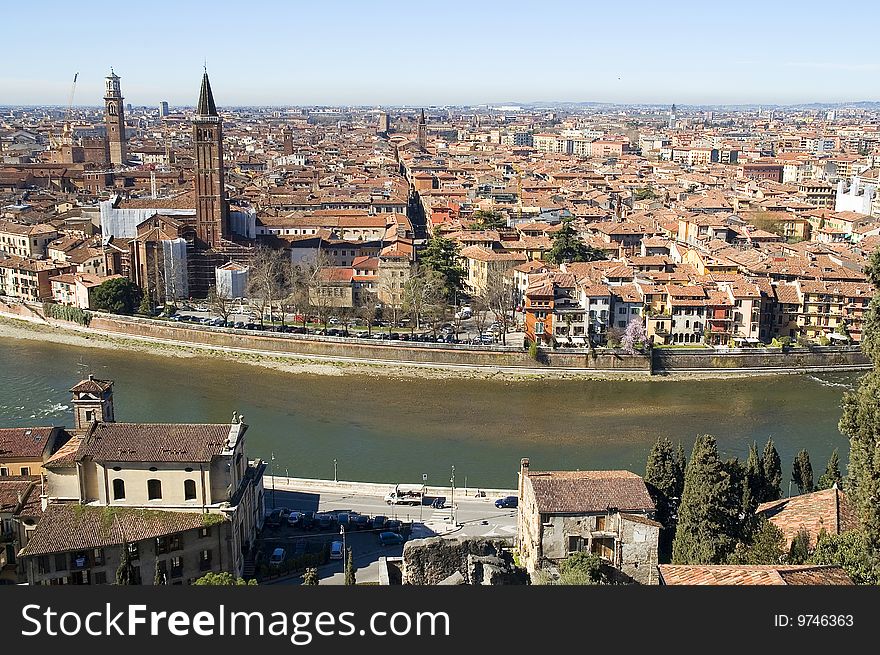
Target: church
x: 171, y: 247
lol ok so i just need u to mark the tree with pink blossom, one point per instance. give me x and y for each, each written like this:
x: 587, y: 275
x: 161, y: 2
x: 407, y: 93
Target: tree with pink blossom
x: 635, y: 333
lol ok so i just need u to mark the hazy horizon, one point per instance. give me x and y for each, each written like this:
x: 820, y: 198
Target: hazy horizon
x: 393, y: 53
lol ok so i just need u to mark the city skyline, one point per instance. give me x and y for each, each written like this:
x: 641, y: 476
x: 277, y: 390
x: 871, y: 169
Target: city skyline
x: 397, y: 54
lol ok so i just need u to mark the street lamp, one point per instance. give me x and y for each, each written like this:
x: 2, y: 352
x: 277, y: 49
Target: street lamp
x: 452, y: 481
x: 334, y: 470
x: 344, y: 551
x: 273, y: 480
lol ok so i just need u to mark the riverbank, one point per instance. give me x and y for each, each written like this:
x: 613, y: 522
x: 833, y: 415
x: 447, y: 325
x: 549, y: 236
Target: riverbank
x: 329, y: 358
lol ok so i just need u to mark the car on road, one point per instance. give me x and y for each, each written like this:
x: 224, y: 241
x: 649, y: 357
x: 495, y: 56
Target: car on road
x: 274, y: 519
x: 439, y: 502
x: 390, y: 538
x: 507, y: 502
x: 336, y: 550
x: 277, y: 557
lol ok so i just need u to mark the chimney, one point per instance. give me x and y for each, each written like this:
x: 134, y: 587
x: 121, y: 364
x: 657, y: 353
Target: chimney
x: 523, y: 472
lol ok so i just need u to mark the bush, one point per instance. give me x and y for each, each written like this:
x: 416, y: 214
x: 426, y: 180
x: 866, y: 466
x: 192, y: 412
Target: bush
x: 67, y: 313
x: 533, y: 351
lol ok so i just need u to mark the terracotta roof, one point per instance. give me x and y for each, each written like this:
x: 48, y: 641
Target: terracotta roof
x: 24, y: 442
x: 581, y: 492
x: 765, y: 574
x: 92, y: 385
x: 80, y: 527
x: 14, y: 491
x: 155, y: 442
x: 65, y: 456
x: 827, y: 510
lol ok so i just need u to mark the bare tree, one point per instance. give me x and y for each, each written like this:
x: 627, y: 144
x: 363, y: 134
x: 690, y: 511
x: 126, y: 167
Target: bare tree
x: 393, y: 294
x: 366, y: 310
x: 219, y: 303
x: 422, y: 294
x: 321, y: 290
x: 266, y: 279
x: 478, y: 311
x: 499, y: 299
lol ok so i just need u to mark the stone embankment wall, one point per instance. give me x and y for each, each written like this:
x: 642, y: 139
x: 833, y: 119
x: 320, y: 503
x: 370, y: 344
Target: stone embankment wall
x: 661, y: 361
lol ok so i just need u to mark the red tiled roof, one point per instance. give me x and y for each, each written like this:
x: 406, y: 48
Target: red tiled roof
x: 79, y: 527
x: 155, y: 442
x: 24, y: 442
x: 582, y: 492
x: 827, y: 510
x: 764, y: 574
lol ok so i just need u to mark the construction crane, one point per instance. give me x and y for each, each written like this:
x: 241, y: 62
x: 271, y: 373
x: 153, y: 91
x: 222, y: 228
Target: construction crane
x: 66, y: 130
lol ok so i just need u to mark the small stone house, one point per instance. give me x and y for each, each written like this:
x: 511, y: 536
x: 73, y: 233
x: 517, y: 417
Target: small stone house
x: 608, y: 513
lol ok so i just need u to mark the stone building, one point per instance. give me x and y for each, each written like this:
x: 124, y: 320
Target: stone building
x: 144, y: 484
x: 607, y: 513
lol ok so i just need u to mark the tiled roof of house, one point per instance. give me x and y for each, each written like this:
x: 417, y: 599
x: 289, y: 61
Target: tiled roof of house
x: 581, y: 492
x: 65, y: 456
x: 92, y: 385
x: 765, y: 574
x: 826, y: 510
x: 14, y: 491
x: 23, y: 442
x: 79, y: 527
x: 155, y: 442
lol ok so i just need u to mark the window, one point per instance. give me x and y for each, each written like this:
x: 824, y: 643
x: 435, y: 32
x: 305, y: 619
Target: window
x: 205, y: 560
x: 98, y: 557
x: 189, y: 489
x: 600, y: 523
x: 90, y: 415
x: 25, y: 470
x: 3, y: 471
x: 43, y: 564
x: 204, y: 533
x: 575, y: 544
x: 100, y: 577
x: 176, y: 567
x: 603, y: 547
x: 154, y: 489
x: 61, y: 562
x: 133, y: 551
x: 118, y: 489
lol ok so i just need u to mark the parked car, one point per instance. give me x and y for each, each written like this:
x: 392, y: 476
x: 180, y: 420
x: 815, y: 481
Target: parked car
x: 324, y: 521
x: 360, y: 521
x: 307, y: 520
x: 379, y: 522
x: 300, y: 547
x: 336, y: 550
x: 274, y: 518
x: 277, y: 557
x: 507, y: 502
x: 343, y: 518
x: 390, y: 538
x: 293, y: 519
x: 393, y: 525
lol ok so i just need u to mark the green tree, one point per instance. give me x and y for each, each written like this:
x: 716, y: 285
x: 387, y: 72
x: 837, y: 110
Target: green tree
x: 125, y: 573
x: 487, y: 220
x: 861, y: 420
x: 158, y: 576
x: 802, y: 472
x: 853, y: 551
x: 664, y: 477
x: 582, y: 568
x: 766, y: 547
x: 832, y: 474
x: 754, y: 483
x: 772, y: 465
x: 707, y: 520
x: 350, y: 570
x: 568, y: 247
x: 117, y: 296
x: 146, y: 305
x: 223, y: 579
x: 442, y: 255
x: 799, y: 552
x: 310, y: 577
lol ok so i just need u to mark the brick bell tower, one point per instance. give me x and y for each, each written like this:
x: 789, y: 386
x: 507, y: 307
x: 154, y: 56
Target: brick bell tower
x: 211, y: 208
x: 114, y: 120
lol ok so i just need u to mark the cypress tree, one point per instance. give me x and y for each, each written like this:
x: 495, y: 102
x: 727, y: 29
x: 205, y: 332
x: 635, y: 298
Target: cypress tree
x: 125, y: 570
x: 754, y: 483
x: 706, y: 515
x: 832, y: 474
x: 680, y: 464
x: 767, y: 546
x: 772, y: 473
x: 799, y: 552
x: 349, y: 569
x: 861, y: 421
x: 158, y: 576
x: 310, y: 577
x: 660, y: 478
x: 802, y: 472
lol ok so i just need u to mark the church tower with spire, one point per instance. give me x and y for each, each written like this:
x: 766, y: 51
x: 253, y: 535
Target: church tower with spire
x: 114, y: 120
x: 423, y: 132
x: 211, y: 207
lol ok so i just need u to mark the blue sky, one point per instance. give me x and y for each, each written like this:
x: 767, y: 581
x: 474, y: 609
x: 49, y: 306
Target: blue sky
x: 442, y: 52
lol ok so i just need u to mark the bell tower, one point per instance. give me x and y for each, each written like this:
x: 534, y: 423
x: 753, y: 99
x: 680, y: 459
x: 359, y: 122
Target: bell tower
x: 114, y: 120
x: 210, y: 188
x: 423, y: 132
x: 92, y: 401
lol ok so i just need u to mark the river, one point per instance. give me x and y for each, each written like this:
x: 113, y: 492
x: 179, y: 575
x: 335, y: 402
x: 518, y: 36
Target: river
x: 397, y: 429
